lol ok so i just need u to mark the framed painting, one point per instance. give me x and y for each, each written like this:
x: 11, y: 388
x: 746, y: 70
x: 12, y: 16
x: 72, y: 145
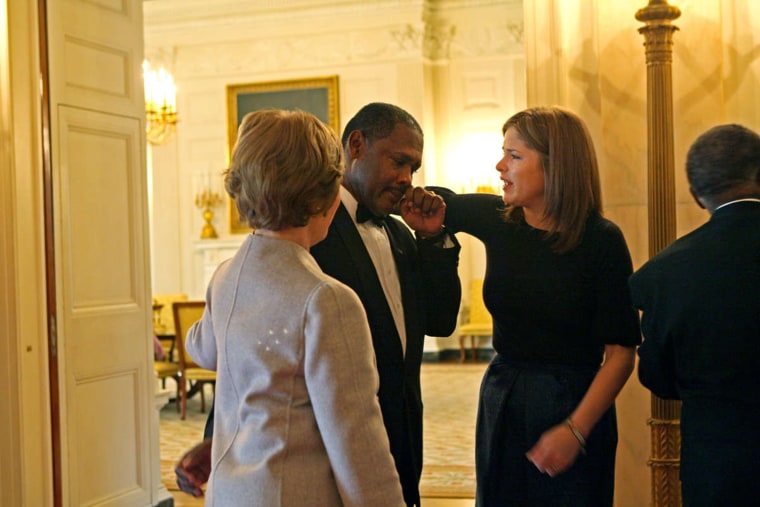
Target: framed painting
x: 318, y: 96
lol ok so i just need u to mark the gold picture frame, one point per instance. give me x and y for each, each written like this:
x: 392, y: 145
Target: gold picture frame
x: 318, y: 96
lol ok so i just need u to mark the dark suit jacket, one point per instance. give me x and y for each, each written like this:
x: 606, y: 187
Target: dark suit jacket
x: 700, y: 299
x: 431, y: 292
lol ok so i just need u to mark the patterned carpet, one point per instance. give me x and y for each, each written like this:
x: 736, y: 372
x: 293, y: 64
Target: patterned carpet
x: 450, y: 394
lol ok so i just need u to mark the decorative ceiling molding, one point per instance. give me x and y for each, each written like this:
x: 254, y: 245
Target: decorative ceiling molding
x: 170, y: 13
x: 299, y: 34
x: 438, y: 38
x: 269, y: 55
x: 517, y: 30
x: 487, y: 40
x: 456, y: 28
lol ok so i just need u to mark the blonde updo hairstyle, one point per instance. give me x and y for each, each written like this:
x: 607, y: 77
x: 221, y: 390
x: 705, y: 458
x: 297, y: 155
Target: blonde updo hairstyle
x: 286, y: 167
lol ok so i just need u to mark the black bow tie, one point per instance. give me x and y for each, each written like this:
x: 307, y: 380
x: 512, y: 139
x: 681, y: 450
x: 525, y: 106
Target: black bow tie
x: 363, y: 214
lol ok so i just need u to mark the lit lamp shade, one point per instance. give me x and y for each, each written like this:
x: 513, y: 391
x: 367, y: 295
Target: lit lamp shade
x: 160, y: 104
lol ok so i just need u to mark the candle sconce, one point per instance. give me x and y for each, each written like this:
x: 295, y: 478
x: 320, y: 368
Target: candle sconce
x: 486, y: 188
x: 206, y: 201
x: 158, y: 328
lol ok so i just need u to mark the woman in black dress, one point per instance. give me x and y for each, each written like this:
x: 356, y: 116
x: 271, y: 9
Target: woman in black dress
x: 565, y: 330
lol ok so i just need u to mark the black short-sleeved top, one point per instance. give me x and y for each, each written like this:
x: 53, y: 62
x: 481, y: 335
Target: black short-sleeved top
x: 550, y: 308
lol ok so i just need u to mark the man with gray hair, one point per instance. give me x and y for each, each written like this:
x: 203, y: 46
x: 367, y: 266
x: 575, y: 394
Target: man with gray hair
x: 700, y: 303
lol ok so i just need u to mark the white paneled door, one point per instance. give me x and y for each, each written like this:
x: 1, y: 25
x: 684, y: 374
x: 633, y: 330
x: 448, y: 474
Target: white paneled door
x: 108, y: 438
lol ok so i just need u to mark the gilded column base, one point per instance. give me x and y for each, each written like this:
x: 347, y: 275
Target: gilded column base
x: 665, y: 463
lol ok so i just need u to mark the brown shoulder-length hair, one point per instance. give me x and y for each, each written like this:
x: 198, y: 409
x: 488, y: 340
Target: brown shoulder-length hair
x: 571, y: 171
x: 286, y: 167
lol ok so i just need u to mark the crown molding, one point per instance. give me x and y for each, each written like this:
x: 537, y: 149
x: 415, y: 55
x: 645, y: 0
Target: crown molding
x: 316, y: 32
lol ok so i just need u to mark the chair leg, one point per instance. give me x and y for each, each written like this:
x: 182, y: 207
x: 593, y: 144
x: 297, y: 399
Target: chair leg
x: 183, y: 399
x: 462, y: 353
x: 201, y: 386
x: 176, y: 396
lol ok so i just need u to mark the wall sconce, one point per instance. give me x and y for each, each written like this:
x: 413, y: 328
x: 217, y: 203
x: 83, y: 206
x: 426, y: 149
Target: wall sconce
x: 160, y: 104
x: 486, y: 188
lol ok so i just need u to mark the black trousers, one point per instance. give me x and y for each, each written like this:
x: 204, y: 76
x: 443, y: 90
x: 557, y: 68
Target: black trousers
x: 518, y: 402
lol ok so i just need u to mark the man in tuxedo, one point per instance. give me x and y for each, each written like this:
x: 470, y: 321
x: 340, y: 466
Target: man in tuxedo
x: 700, y: 303
x: 408, y: 286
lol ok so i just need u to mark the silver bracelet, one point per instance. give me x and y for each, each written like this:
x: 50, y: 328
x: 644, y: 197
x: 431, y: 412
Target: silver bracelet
x: 577, y: 433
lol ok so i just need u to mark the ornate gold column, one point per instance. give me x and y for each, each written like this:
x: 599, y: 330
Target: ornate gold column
x: 665, y: 415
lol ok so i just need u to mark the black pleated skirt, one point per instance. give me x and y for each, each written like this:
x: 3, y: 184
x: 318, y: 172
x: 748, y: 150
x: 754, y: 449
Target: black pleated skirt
x: 518, y: 402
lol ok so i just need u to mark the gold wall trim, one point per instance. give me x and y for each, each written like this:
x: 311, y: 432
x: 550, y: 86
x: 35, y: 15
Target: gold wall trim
x: 658, y: 33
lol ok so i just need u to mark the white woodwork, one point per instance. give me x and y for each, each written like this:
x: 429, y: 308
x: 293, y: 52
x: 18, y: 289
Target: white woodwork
x: 10, y: 448
x: 208, y: 255
x: 109, y: 434
x: 102, y: 334
x: 25, y: 442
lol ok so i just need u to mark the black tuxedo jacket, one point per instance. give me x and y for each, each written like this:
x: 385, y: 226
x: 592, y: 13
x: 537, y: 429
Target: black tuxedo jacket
x: 700, y: 302
x: 431, y: 291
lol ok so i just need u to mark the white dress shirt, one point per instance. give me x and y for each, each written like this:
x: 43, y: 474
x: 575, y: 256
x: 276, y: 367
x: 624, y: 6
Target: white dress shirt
x: 747, y: 199
x: 378, y: 245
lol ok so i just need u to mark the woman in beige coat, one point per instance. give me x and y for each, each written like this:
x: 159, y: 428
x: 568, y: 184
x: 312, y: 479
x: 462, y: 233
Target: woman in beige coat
x: 296, y: 419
